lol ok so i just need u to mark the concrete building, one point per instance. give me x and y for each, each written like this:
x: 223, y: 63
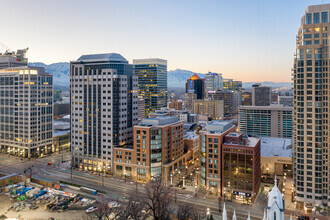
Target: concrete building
x: 267, y: 121
x: 189, y: 99
x: 152, y: 75
x: 213, y: 82
x: 311, y: 136
x: 211, y: 139
x: 182, y: 115
x: 212, y: 108
x: 11, y: 59
x: 196, y: 85
x: 246, y: 98
x: 177, y: 105
x: 26, y: 111
x: 62, y: 109
x: 276, y: 156
x: 141, y: 108
x: 58, y: 96
x: 261, y: 95
x: 231, y: 99
x: 241, y: 173
x: 104, y: 108
x: 158, y: 150
x: 285, y: 100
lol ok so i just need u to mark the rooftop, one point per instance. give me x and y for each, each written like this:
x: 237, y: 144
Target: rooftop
x: 217, y: 126
x: 159, y: 121
x: 155, y: 61
x: 271, y: 146
x: 194, y: 77
x: 270, y: 107
x: 190, y: 135
x: 102, y: 57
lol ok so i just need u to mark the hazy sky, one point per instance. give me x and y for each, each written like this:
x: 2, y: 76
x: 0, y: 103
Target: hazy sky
x: 248, y: 40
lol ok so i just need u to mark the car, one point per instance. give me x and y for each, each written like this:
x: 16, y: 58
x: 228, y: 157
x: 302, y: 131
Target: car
x: 91, y: 209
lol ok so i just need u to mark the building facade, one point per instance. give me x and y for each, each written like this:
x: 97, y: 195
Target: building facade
x: 268, y: 121
x: 211, y: 139
x: 241, y: 167
x: 26, y: 112
x: 231, y: 99
x: 196, y: 85
x: 212, y: 108
x: 177, y: 105
x: 261, y: 95
x: 311, y: 117
x: 285, y: 100
x: 104, y: 108
x: 157, y: 151
x: 152, y: 75
x: 213, y: 82
x: 232, y: 85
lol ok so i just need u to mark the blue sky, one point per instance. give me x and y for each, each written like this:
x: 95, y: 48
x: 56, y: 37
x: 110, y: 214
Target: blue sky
x: 248, y: 40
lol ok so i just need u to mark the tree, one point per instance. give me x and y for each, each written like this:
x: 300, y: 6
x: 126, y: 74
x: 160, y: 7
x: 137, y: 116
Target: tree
x: 133, y: 208
x: 186, y: 211
x: 104, y: 211
x: 157, y: 200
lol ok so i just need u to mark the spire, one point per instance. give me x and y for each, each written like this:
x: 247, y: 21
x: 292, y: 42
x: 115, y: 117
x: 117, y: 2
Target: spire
x: 250, y: 218
x: 264, y: 215
x: 234, y: 215
x: 275, y: 180
x: 224, y: 213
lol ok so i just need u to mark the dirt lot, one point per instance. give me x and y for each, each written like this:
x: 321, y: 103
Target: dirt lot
x: 40, y: 213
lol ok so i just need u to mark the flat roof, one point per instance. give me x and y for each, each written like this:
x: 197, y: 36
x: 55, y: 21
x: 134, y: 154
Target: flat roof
x: 271, y: 146
x: 159, y: 121
x: 190, y: 135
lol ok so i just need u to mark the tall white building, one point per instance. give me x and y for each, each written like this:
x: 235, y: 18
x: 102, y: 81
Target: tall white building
x: 104, y: 108
x: 26, y: 111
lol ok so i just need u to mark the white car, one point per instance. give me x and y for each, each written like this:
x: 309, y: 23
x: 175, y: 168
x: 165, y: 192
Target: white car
x: 91, y: 209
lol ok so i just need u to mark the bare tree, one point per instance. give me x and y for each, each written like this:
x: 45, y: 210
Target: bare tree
x: 157, y: 200
x: 185, y: 211
x: 133, y: 208
x: 103, y: 210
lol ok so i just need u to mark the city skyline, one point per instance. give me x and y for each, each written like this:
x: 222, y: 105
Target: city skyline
x: 173, y: 33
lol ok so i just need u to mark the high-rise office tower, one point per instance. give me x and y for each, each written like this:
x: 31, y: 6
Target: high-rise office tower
x: 196, y: 85
x: 104, y: 108
x: 230, y: 84
x: 232, y: 99
x: 13, y: 59
x: 213, y: 82
x: 26, y: 106
x: 311, y: 134
x: 152, y: 75
x: 261, y: 95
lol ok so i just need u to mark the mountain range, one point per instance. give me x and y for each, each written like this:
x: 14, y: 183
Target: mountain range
x: 175, y: 78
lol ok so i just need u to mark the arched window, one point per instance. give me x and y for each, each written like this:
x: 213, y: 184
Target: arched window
x: 274, y: 215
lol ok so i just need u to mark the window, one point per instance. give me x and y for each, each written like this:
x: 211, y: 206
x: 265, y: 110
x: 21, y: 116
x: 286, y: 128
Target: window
x: 324, y: 17
x: 316, y: 35
x: 307, y: 36
x: 307, y: 42
x: 316, y: 17
x: 308, y: 18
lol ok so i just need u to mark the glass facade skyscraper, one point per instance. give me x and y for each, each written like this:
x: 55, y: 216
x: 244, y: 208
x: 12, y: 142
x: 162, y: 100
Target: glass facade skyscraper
x: 311, y: 134
x: 152, y: 85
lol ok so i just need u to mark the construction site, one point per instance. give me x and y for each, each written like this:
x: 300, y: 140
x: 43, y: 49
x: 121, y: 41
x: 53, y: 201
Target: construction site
x: 25, y: 198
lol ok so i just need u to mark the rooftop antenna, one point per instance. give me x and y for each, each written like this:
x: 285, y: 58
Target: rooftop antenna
x: 7, y: 49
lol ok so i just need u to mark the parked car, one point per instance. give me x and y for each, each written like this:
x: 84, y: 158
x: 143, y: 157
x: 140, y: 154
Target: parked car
x: 91, y: 209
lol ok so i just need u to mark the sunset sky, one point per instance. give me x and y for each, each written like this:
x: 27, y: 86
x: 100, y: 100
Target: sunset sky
x: 246, y: 40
